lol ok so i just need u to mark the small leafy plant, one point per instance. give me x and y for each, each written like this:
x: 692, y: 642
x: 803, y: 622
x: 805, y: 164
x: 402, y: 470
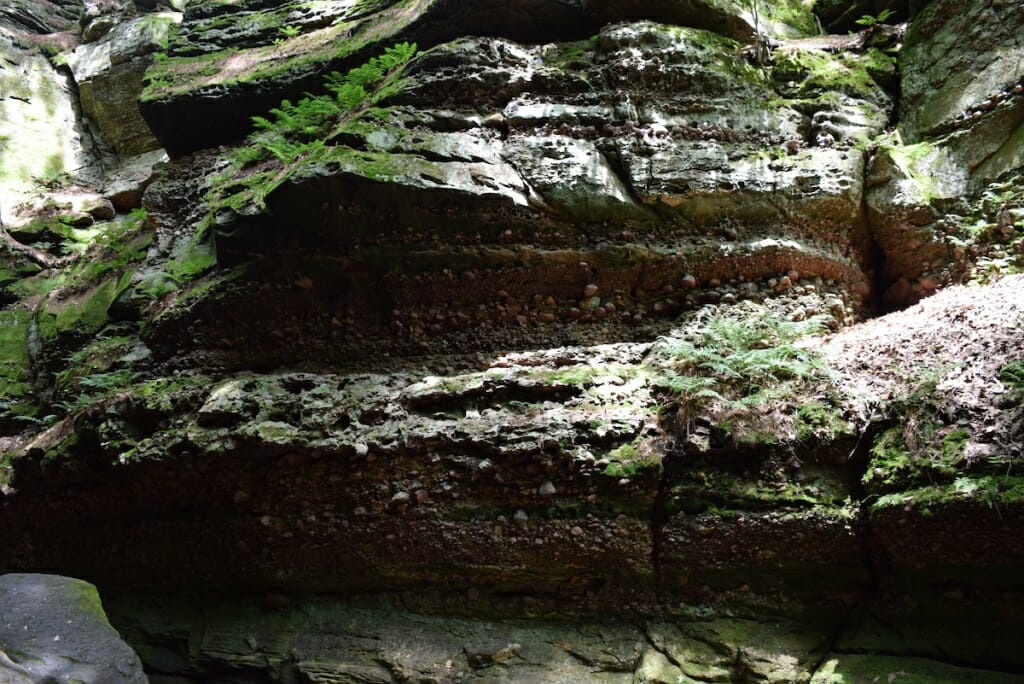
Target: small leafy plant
x: 1012, y: 375
x: 293, y: 129
x: 739, y: 363
x: 96, y: 387
x: 869, y: 20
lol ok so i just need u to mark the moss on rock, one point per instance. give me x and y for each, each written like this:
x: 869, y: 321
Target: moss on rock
x: 15, y: 380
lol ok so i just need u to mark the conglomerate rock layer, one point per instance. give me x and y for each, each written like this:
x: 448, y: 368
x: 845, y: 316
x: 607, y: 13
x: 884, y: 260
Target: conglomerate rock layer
x: 504, y: 325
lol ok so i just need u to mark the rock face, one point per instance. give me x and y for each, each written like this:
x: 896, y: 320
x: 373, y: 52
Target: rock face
x: 54, y: 629
x: 327, y: 642
x: 629, y: 161
x: 109, y: 73
x: 505, y: 323
x: 961, y: 128
x: 40, y: 17
x: 237, y: 57
x: 42, y: 135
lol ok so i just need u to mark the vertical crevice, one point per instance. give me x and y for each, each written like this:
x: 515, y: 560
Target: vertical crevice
x: 859, y: 460
x: 874, y: 258
x: 659, y: 518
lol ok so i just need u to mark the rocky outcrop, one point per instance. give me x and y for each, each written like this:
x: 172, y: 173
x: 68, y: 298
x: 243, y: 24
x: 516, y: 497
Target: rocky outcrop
x: 549, y: 474
x: 594, y: 187
x: 42, y: 136
x: 507, y: 324
x: 232, y: 61
x: 109, y: 74
x: 46, y: 16
x: 54, y: 629
x: 281, y: 639
x: 960, y: 129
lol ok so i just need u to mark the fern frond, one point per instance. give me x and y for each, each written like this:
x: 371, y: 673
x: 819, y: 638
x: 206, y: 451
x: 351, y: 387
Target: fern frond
x: 686, y: 384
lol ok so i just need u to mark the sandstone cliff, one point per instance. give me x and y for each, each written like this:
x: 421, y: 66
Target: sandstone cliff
x: 523, y: 341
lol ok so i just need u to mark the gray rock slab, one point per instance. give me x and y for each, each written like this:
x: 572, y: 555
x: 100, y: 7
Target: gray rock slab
x: 54, y: 628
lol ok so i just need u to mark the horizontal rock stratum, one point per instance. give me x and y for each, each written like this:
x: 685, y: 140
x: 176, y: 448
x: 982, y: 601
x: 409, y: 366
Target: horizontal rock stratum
x: 523, y: 341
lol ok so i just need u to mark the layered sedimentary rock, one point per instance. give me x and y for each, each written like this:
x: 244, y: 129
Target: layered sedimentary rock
x: 512, y: 330
x: 959, y: 130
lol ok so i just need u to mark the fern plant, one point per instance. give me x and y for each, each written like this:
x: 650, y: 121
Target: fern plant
x: 101, y: 386
x: 1012, y: 375
x: 738, y: 363
x: 295, y: 129
x: 869, y: 20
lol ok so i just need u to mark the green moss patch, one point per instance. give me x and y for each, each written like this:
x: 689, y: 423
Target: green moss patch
x: 81, y: 315
x: 638, y: 458
x: 914, y: 452
x: 918, y: 163
x: 803, y: 72
x: 14, y: 267
x: 285, y: 56
x: 14, y: 358
x: 822, y: 422
x: 763, y: 487
x: 197, y: 257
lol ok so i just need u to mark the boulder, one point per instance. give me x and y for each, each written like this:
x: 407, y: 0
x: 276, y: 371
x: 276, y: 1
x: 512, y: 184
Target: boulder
x: 100, y: 16
x: 124, y: 185
x: 909, y: 188
x: 54, y: 628
x: 109, y: 75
